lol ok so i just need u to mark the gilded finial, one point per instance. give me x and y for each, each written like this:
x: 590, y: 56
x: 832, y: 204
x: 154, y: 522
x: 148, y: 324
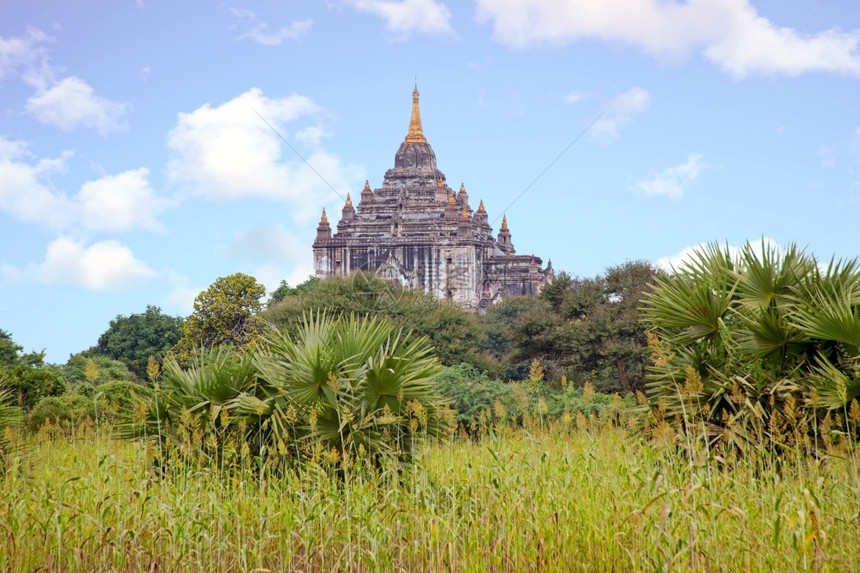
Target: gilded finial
x: 439, y: 183
x: 323, y: 219
x: 481, y: 206
x: 462, y: 187
x: 416, y: 133
x: 451, y: 199
x: 504, y: 223
x: 367, y: 184
x: 348, y: 200
x: 464, y: 214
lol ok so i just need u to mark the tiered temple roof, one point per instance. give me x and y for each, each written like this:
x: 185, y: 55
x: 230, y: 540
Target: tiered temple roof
x: 416, y: 231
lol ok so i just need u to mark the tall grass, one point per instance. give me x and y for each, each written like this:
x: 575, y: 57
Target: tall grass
x: 576, y: 496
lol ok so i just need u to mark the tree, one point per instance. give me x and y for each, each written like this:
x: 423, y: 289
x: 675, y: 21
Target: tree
x: 285, y: 290
x: 587, y: 328
x: 454, y: 334
x: 226, y: 313
x: 9, y: 351
x: 27, y: 376
x: 96, y: 369
x: 133, y: 339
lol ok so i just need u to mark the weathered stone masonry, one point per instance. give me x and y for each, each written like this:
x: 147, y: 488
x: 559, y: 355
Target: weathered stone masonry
x: 416, y: 231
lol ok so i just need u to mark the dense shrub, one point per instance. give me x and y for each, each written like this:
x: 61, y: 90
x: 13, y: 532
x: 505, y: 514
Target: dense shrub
x: 65, y: 411
x: 482, y: 402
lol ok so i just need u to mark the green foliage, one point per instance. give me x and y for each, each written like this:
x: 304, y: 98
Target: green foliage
x: 454, y: 335
x: 31, y: 383
x: 756, y: 349
x: 483, y: 403
x: 9, y: 351
x: 64, y: 411
x: 10, y: 419
x: 225, y: 314
x: 588, y: 329
x: 96, y: 370
x: 356, y: 388
x: 133, y: 339
x: 285, y: 290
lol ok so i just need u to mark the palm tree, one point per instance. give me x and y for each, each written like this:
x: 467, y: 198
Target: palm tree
x: 766, y: 339
x: 351, y: 386
x: 10, y: 418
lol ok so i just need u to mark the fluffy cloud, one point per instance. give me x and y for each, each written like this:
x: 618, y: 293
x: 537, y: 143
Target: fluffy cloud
x: 261, y: 33
x: 19, y: 52
x: 679, y: 259
x: 619, y: 113
x: 673, y: 181
x: 26, y: 192
x: 71, y: 103
x: 728, y: 32
x: 112, y: 203
x: 229, y: 152
x: 407, y: 17
x: 102, y: 266
x: 120, y: 202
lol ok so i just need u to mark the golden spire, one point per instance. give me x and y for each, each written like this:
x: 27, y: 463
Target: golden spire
x: 481, y: 206
x: 504, y: 223
x: 464, y: 214
x: 348, y: 200
x: 323, y: 219
x: 367, y: 184
x: 462, y: 187
x: 416, y: 134
x: 451, y: 199
x: 439, y: 183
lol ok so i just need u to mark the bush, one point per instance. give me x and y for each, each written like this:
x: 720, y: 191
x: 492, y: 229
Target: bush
x: 66, y: 411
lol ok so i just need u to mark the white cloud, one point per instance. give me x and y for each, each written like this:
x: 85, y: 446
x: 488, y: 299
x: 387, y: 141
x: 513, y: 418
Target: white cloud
x: 111, y: 203
x: 228, y: 152
x: 673, y: 181
x: 71, y: 103
x: 407, y: 17
x: 575, y: 96
x: 261, y: 34
x: 102, y: 266
x: 26, y: 192
x: 121, y: 202
x: 619, y: 113
x: 18, y: 52
x: 676, y: 261
x: 728, y: 32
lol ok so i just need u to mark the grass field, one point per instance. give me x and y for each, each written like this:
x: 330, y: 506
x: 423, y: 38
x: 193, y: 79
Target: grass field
x: 560, y: 499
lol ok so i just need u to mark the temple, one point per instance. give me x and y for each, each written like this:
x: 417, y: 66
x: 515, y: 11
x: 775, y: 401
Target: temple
x: 416, y: 231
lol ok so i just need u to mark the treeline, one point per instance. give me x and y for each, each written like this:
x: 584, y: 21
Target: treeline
x: 582, y: 329
x: 759, y: 347
x: 578, y: 330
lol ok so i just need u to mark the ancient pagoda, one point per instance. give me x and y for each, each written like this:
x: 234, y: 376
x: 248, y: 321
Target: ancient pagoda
x: 419, y: 233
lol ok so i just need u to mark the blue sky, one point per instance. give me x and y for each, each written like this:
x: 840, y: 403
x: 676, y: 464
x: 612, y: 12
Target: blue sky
x: 135, y: 167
